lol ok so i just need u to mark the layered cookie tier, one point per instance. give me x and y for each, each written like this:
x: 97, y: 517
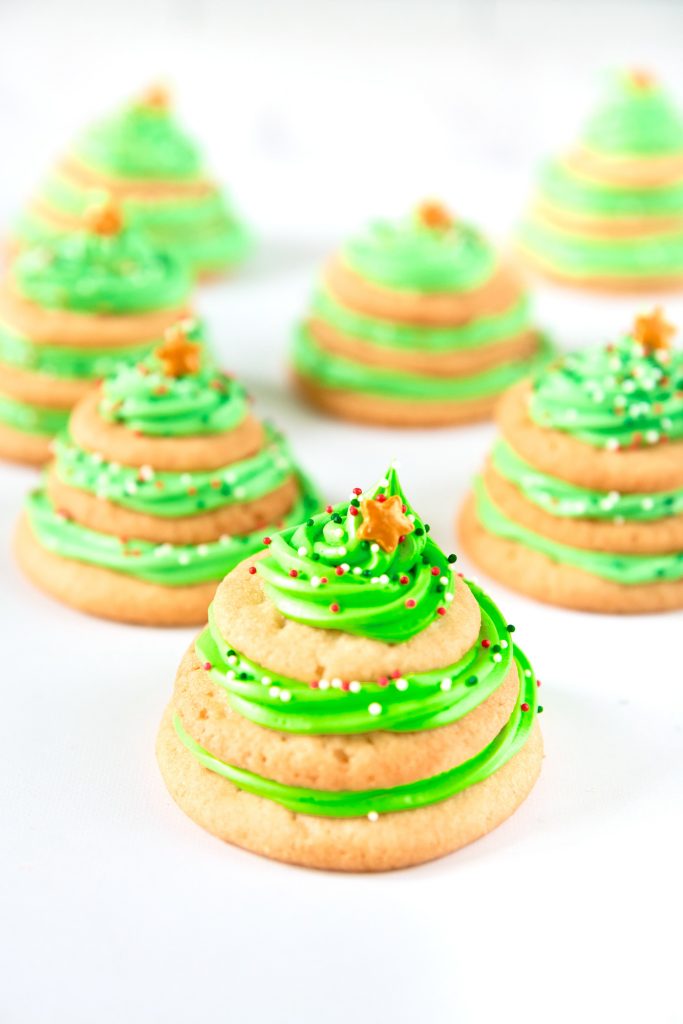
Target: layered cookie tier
x: 416, y: 323
x: 163, y: 481
x: 353, y: 703
x: 581, y: 500
x: 609, y: 214
x: 71, y: 311
x: 142, y: 156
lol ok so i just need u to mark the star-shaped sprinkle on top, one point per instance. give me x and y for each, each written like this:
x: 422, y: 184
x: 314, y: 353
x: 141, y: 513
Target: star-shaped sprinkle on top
x: 156, y: 97
x: 434, y: 215
x: 104, y: 218
x: 178, y: 355
x: 652, y: 331
x: 384, y: 522
x: 641, y: 79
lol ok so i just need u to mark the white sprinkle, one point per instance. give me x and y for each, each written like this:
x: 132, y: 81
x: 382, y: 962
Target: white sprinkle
x: 202, y: 549
x: 232, y: 660
x: 274, y: 691
x: 185, y: 479
x: 342, y: 551
x: 527, y: 672
x: 401, y: 684
x: 446, y: 683
x: 374, y: 579
x: 162, y: 550
x: 239, y: 492
x: 346, y: 567
x: 230, y: 674
x: 411, y: 516
x: 497, y: 656
x: 184, y: 558
x: 648, y: 504
x: 374, y: 548
x: 357, y: 570
x: 146, y: 473
x: 374, y: 708
x: 651, y: 436
x: 373, y: 816
x: 354, y: 686
x: 285, y: 695
x: 302, y: 551
x: 444, y: 581
x: 611, y: 444
x: 503, y: 644
x: 336, y: 683
x: 449, y: 597
x: 324, y: 684
x: 315, y: 581
x: 384, y: 578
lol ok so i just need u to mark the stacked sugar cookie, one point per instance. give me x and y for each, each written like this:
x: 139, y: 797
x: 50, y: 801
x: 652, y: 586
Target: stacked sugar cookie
x: 416, y: 323
x: 71, y: 309
x: 581, y: 501
x: 609, y: 213
x: 142, y: 157
x: 353, y: 703
x: 163, y: 481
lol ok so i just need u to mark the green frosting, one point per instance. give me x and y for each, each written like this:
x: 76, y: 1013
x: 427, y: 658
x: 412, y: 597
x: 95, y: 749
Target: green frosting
x: 485, y: 330
x: 397, y: 703
x: 91, y: 273
x: 32, y: 419
x: 147, y: 400
x: 561, y: 187
x: 170, y: 495
x: 618, y: 568
x: 333, y: 371
x: 635, y: 120
x: 171, y: 565
x: 410, y: 256
x: 65, y: 361
x: 567, y: 501
x: 322, y: 574
x: 614, y: 396
x: 355, y: 804
x: 140, y: 141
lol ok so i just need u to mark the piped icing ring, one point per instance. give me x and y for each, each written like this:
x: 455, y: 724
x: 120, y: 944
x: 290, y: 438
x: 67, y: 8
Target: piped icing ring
x: 610, y: 212
x: 416, y: 322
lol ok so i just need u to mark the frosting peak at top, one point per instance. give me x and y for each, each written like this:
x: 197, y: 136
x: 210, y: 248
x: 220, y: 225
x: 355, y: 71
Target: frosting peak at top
x: 141, y: 141
x: 367, y: 567
x: 637, y: 118
x: 621, y: 395
x: 101, y: 271
x: 174, y: 392
x: 428, y: 252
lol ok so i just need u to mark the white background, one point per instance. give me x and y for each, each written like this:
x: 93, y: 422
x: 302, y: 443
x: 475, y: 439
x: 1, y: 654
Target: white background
x: 113, y: 906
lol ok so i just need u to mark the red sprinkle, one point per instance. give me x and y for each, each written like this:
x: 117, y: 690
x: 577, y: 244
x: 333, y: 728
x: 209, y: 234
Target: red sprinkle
x: 346, y: 684
x: 381, y: 498
x: 357, y: 490
x: 207, y: 666
x: 323, y: 579
x: 334, y: 607
x: 441, y: 611
x: 328, y: 508
x: 435, y: 570
x: 339, y: 571
x: 293, y: 573
x: 267, y: 540
x: 314, y: 685
x: 401, y: 539
x: 486, y: 643
x: 353, y: 510
x: 538, y: 682
x: 403, y: 580
x: 252, y: 569
x: 396, y: 674
x: 524, y: 706
x: 383, y: 681
x: 410, y: 603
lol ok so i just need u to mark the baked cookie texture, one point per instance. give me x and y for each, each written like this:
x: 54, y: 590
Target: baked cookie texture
x: 71, y: 310
x: 415, y: 323
x: 142, y: 157
x: 162, y: 482
x: 609, y: 213
x: 580, y: 502
x: 353, y: 703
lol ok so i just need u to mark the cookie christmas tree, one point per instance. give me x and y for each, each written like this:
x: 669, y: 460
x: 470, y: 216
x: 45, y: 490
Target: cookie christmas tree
x: 353, y: 703
x: 609, y: 213
x: 71, y: 310
x: 416, y: 323
x: 581, y: 501
x: 163, y: 481
x: 142, y: 157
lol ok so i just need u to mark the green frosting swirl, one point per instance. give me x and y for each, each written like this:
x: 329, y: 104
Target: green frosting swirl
x: 171, y: 495
x: 147, y: 400
x: 171, y: 565
x: 485, y: 330
x: 634, y: 119
x: 32, y: 419
x: 322, y: 574
x: 408, y: 797
x: 140, y: 141
x: 333, y: 371
x: 613, y: 396
x: 567, y: 501
x: 630, y: 570
x: 417, y: 701
x: 91, y: 273
x: 561, y: 187
x: 413, y: 257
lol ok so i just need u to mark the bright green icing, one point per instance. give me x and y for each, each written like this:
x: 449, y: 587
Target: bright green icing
x: 367, y: 597
x: 171, y: 565
x: 32, y: 419
x: 170, y: 495
x: 333, y: 371
x: 561, y: 187
x: 613, y: 396
x: 483, y: 330
x: 567, y: 501
x: 147, y: 400
x: 408, y: 255
x: 140, y: 141
x: 68, y: 361
x: 92, y: 273
x: 637, y: 120
x: 618, y: 568
x: 410, y: 796
x: 413, y: 702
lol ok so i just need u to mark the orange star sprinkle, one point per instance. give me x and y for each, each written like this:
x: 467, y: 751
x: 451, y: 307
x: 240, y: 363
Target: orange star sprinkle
x: 384, y: 522
x: 652, y: 331
x: 104, y: 218
x: 642, y: 79
x: 156, y: 97
x: 178, y: 355
x: 433, y: 214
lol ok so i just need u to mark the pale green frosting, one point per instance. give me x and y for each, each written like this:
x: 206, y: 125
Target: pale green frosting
x: 32, y: 419
x: 635, y: 120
